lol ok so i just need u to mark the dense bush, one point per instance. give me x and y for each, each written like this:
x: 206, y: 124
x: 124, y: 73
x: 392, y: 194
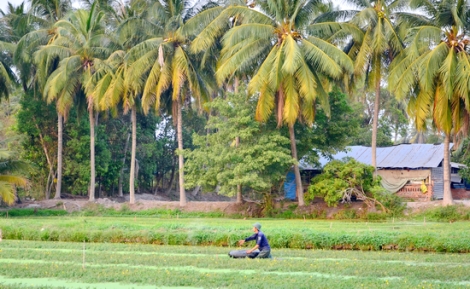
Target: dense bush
x: 447, y: 214
x: 347, y: 179
x: 32, y: 212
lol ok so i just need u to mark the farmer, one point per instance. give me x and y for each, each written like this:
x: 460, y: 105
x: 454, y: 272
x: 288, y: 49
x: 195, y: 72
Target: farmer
x: 261, y: 243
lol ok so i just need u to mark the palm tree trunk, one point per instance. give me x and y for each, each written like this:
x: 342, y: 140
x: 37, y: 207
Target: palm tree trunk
x: 172, y: 178
x: 92, y: 155
x: 60, y: 132
x: 121, y: 174
x: 375, y: 121
x: 180, y: 155
x: 237, y: 144
x: 298, y: 180
x: 239, y: 186
x: 133, y: 149
x: 447, y: 199
x: 49, y: 163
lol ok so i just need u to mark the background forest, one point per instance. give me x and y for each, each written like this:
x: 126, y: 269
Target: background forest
x: 159, y: 96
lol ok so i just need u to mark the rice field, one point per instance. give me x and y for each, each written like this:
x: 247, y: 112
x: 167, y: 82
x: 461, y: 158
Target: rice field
x: 35, y: 264
x: 294, y: 234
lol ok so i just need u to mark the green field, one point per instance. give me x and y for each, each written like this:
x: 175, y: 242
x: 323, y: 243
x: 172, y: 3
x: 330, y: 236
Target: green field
x: 293, y: 234
x: 137, y: 252
x: 78, y: 265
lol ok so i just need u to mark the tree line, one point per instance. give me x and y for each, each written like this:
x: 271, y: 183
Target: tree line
x: 159, y: 58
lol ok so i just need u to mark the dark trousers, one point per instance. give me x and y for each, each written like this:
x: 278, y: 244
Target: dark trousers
x: 264, y: 254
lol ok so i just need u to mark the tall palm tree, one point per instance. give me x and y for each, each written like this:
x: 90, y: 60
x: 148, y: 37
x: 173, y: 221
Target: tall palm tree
x: 372, y: 51
x: 169, y: 69
x: 81, y: 42
x: 292, y: 66
x: 208, y: 26
x: 433, y: 72
x: 112, y: 83
x: 41, y: 19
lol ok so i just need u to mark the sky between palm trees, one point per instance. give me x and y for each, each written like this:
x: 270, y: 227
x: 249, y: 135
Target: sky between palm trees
x: 4, y: 4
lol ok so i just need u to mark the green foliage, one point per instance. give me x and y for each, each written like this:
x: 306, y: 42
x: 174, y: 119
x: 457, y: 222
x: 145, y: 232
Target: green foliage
x: 339, y: 177
x: 101, y: 211
x: 295, y: 234
x: 462, y: 155
x: 392, y: 202
x: 332, y: 132
x: 12, y: 175
x: 347, y: 214
x: 36, y: 121
x: 32, y: 212
x: 259, y: 162
x: 446, y: 214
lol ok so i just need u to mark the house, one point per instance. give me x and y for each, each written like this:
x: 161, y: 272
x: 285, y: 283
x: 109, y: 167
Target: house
x: 413, y: 171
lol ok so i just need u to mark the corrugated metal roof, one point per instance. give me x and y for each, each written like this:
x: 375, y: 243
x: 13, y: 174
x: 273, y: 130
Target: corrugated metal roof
x: 399, y: 156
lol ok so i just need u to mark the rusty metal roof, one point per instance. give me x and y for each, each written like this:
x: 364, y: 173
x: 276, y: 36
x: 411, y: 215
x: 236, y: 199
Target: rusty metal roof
x: 399, y: 156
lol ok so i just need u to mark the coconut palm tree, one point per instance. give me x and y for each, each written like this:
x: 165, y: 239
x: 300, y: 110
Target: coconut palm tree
x: 41, y: 19
x: 169, y: 69
x: 291, y: 66
x: 433, y: 71
x: 372, y: 51
x: 112, y: 84
x: 80, y: 42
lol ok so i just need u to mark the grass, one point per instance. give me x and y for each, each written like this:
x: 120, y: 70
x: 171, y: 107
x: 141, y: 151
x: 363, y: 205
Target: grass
x: 79, y: 265
x: 295, y: 234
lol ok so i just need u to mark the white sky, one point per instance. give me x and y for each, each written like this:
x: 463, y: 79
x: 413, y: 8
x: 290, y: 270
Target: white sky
x: 4, y: 3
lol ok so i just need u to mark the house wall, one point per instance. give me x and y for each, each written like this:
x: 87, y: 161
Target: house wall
x: 392, y: 175
x: 413, y: 190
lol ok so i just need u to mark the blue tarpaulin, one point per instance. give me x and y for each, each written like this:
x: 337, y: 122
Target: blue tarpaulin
x: 289, y: 186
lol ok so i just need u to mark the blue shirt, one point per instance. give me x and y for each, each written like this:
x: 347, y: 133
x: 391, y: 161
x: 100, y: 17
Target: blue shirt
x: 261, y: 241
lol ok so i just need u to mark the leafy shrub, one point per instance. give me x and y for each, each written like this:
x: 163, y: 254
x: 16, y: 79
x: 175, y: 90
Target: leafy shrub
x: 342, y: 180
x: 345, y: 215
x: 392, y: 202
x: 372, y: 216
x: 32, y: 212
x: 447, y: 213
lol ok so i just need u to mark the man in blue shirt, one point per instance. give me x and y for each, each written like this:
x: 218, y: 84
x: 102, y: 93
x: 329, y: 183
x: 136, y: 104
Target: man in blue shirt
x: 261, y: 243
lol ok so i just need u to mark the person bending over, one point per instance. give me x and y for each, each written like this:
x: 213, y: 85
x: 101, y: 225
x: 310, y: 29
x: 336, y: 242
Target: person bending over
x: 261, y: 243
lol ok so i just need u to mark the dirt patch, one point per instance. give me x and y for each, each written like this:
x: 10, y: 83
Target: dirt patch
x: 460, y: 194
x: 227, y: 205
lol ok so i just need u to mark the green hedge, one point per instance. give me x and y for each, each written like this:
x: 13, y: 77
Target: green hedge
x: 457, y: 242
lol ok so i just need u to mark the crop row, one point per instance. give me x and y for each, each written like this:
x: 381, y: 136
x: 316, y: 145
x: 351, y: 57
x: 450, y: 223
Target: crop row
x: 210, y: 267
x: 281, y: 234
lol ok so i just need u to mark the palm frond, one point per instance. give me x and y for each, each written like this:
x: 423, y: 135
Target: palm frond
x: 292, y: 55
x: 14, y: 180
x: 234, y: 61
x: 361, y: 61
x: 266, y: 103
x: 244, y: 31
x: 262, y: 79
x: 291, y: 103
x: 442, y: 113
x: 447, y: 73
x: 6, y: 193
x: 327, y: 58
x: 326, y: 30
x: 430, y: 66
